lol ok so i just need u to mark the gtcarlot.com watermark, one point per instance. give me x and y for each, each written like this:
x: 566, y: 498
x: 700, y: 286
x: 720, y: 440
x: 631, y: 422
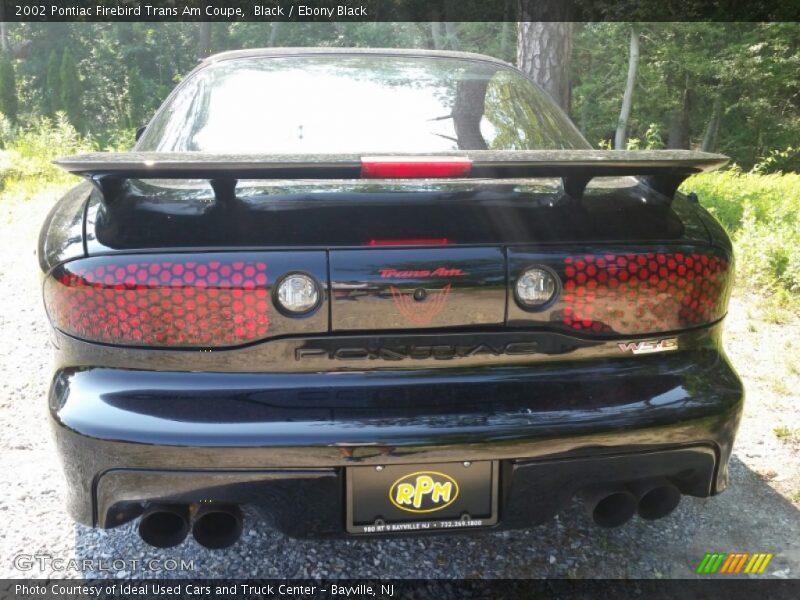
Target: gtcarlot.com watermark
x: 50, y: 563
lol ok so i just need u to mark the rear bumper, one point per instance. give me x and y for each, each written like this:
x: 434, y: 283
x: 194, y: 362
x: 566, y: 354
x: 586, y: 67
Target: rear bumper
x: 282, y: 442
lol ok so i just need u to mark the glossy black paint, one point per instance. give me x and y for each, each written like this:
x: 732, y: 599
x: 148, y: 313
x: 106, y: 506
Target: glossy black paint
x: 493, y: 392
x: 62, y: 234
x: 360, y: 351
x: 275, y: 423
x: 107, y: 418
x: 348, y: 214
x: 384, y: 289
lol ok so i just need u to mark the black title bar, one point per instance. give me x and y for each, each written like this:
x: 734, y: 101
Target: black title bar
x: 398, y: 10
x: 400, y: 589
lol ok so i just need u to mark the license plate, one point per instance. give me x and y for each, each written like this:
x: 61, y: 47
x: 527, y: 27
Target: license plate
x: 419, y: 498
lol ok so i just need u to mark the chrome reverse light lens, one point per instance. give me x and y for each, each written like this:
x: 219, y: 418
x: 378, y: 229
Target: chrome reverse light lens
x: 536, y: 288
x: 297, y: 294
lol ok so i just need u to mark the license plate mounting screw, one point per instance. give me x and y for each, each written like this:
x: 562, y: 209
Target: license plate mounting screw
x: 467, y: 463
x: 379, y: 468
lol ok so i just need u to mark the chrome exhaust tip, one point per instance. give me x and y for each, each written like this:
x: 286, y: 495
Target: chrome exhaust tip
x: 164, y: 525
x: 217, y: 526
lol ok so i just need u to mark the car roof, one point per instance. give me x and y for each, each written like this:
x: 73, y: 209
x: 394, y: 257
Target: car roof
x: 278, y: 52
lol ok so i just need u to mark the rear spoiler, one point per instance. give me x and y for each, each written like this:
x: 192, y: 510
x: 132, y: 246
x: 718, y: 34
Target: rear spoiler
x: 663, y: 170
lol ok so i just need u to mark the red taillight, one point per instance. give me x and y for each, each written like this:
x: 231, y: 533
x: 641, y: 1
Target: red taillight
x: 643, y: 292
x: 413, y: 167
x: 410, y: 242
x: 180, y: 300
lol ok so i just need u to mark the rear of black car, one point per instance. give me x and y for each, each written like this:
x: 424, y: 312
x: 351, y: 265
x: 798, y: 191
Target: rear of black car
x: 382, y: 292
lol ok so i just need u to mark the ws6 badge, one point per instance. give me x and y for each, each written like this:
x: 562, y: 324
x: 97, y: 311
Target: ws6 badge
x: 423, y: 492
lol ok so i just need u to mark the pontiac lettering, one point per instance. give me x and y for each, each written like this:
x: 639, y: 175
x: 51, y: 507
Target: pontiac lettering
x: 439, y: 352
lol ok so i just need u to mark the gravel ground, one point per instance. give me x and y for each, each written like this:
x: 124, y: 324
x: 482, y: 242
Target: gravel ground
x: 759, y: 513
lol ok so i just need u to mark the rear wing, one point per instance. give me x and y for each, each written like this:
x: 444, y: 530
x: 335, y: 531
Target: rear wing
x: 663, y: 170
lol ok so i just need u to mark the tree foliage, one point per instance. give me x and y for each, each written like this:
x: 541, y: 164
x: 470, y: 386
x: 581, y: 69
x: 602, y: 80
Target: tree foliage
x: 729, y: 87
x: 9, y: 105
x: 53, y: 82
x: 71, y: 99
x: 739, y: 79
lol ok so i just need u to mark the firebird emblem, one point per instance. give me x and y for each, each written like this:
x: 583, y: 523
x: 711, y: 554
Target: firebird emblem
x: 420, y: 313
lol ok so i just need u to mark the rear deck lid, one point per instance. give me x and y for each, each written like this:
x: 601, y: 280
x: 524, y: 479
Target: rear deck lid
x: 419, y: 288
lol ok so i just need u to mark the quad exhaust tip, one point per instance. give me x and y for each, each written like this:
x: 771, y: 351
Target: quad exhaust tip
x: 656, y: 498
x: 217, y: 526
x: 213, y: 526
x: 614, y: 505
x: 164, y: 525
x: 610, y: 506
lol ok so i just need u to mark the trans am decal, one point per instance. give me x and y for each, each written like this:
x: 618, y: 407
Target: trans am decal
x: 406, y: 273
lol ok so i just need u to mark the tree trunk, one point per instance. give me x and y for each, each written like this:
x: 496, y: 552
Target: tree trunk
x: 583, y: 120
x: 679, y: 137
x: 543, y: 52
x: 273, y: 33
x: 3, y: 28
x: 627, y: 98
x: 712, y: 130
x: 436, y: 35
x: 453, y: 43
x: 467, y: 113
x: 504, y: 34
x: 204, y: 40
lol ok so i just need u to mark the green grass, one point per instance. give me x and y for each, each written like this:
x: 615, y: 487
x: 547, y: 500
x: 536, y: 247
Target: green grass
x: 26, y: 167
x: 762, y: 215
x: 786, y: 434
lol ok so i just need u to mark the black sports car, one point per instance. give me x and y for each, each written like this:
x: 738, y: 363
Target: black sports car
x: 380, y: 292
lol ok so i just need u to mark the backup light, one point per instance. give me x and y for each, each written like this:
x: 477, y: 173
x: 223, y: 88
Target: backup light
x: 297, y: 294
x: 535, y: 288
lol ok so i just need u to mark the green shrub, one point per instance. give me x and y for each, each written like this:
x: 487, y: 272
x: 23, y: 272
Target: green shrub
x: 117, y: 140
x: 26, y: 165
x: 779, y: 161
x: 762, y: 214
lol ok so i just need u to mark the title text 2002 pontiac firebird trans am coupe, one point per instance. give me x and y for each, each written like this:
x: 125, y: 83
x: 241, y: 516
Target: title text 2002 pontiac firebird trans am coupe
x: 376, y: 292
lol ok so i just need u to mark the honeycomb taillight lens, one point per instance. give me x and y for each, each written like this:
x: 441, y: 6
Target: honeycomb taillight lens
x: 175, y: 300
x: 645, y: 292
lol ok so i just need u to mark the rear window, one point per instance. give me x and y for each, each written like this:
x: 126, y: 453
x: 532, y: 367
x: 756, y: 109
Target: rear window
x: 356, y: 104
